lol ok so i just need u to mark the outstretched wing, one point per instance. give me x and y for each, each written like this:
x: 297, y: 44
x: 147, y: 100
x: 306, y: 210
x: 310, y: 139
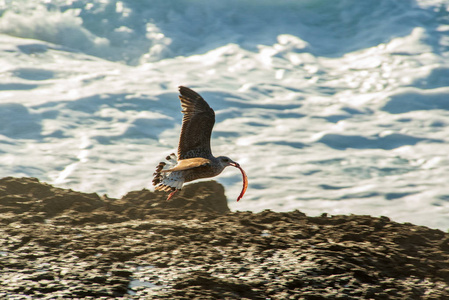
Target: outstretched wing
x: 197, y: 124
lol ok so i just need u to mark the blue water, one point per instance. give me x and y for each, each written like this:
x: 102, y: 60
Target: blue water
x: 330, y: 106
x: 126, y: 30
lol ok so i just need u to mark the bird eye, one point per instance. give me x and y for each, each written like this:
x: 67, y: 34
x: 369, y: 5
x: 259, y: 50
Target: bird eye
x: 226, y: 159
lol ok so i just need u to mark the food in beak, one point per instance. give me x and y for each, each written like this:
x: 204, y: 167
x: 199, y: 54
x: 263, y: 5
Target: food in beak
x: 245, y: 180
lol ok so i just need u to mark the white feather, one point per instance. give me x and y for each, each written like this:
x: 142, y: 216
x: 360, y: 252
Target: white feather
x: 171, y: 179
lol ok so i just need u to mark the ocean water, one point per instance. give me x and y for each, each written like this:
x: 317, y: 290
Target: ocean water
x: 330, y: 106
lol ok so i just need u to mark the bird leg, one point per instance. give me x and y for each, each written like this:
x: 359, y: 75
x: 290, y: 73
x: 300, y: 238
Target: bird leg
x: 172, y: 194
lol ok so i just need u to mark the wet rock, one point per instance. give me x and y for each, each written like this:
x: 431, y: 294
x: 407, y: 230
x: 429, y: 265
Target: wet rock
x: 61, y: 243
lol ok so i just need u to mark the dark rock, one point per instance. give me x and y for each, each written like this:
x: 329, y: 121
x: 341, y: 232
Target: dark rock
x: 58, y: 243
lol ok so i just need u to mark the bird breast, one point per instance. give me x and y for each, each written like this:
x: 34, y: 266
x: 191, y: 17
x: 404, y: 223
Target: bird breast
x: 202, y: 172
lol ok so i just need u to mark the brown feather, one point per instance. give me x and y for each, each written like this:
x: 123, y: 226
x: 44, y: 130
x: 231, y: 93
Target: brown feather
x: 190, y: 163
x: 197, y: 124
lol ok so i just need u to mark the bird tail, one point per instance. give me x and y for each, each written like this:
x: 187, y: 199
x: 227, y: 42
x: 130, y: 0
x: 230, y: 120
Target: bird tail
x: 167, y: 181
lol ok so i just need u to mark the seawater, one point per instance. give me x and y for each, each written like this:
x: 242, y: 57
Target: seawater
x: 330, y: 106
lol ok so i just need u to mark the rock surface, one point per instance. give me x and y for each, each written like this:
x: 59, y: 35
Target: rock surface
x: 57, y: 243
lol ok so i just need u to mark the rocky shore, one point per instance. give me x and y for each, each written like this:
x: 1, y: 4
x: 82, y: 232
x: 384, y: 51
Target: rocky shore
x: 58, y: 243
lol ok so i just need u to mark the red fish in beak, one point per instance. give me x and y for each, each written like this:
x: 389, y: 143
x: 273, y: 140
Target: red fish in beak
x: 245, y: 179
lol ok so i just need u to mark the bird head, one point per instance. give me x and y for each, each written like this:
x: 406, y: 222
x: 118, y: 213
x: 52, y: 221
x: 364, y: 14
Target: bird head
x: 226, y: 161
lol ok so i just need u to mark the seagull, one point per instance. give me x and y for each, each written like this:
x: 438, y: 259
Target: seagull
x: 194, y: 159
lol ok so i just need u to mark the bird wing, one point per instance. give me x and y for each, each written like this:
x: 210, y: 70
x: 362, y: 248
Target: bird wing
x: 197, y: 124
x: 190, y: 163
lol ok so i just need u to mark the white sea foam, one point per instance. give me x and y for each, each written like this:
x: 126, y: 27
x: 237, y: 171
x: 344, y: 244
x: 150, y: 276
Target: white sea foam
x: 330, y: 106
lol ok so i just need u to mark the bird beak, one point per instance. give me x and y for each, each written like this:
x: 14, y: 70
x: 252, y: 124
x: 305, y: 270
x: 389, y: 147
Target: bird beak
x: 245, y: 179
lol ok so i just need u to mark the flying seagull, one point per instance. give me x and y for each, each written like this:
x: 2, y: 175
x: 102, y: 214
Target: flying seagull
x: 194, y: 159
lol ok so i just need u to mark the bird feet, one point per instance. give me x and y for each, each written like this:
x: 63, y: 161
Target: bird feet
x: 172, y: 194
